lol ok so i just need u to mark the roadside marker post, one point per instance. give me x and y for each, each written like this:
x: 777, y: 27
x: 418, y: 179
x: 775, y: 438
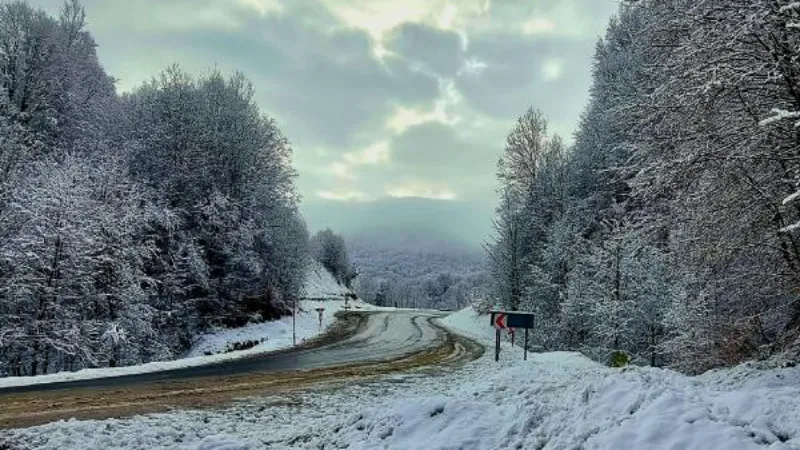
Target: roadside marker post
x: 294, y: 317
x: 320, y: 310
x: 497, y: 346
x: 525, y: 352
x: 501, y: 320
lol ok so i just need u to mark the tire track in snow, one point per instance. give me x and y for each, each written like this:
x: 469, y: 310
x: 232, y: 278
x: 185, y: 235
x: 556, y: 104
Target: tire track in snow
x: 384, y: 343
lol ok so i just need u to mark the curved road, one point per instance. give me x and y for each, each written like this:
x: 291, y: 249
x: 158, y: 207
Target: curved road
x: 362, y: 344
x: 365, y: 337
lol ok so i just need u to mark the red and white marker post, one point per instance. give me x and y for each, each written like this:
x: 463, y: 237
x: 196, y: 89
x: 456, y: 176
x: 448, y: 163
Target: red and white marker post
x: 499, y: 320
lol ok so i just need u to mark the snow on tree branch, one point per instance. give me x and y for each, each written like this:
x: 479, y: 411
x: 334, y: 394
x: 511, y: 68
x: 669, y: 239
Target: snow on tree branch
x: 791, y: 198
x: 778, y: 115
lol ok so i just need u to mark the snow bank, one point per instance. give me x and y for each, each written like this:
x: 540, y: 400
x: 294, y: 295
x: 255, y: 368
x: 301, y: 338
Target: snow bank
x: 470, y: 323
x: 321, y: 285
x: 565, y: 401
x: 477, y: 326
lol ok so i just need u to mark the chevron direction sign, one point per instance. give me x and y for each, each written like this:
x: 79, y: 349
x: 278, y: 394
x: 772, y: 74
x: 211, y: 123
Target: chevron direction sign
x: 511, y: 319
x: 502, y: 320
x: 499, y: 321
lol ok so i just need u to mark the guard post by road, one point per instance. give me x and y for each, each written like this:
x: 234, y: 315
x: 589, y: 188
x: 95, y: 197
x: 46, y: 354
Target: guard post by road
x: 501, y: 320
x: 320, y: 310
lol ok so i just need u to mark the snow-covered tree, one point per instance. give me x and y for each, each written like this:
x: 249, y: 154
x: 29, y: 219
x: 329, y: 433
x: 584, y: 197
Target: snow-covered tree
x: 130, y: 224
x: 331, y: 251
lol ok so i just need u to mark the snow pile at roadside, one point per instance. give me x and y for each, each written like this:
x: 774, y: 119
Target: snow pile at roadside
x: 470, y: 323
x: 276, y: 334
x: 321, y: 285
x: 565, y: 401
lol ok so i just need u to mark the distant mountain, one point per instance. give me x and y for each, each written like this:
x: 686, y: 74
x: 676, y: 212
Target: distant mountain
x: 397, y: 253
x: 417, y: 240
x: 416, y: 268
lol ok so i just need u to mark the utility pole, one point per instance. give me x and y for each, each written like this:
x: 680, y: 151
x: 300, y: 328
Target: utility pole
x: 294, y: 314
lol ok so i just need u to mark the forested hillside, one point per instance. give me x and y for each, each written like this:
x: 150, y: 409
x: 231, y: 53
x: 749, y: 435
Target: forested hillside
x: 417, y: 270
x: 668, y: 229
x: 129, y: 223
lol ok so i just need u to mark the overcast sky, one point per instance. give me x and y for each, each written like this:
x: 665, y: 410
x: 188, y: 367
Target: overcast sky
x: 397, y: 109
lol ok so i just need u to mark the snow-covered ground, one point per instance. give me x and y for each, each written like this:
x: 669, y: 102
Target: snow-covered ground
x: 471, y: 324
x: 216, y: 346
x: 321, y: 285
x: 552, y: 401
x: 276, y: 334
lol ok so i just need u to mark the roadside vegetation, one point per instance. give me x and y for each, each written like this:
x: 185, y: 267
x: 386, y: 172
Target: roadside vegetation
x: 668, y: 229
x: 130, y: 223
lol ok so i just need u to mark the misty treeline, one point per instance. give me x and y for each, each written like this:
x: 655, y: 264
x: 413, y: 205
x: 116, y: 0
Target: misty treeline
x: 129, y: 223
x: 667, y: 230
x: 417, y: 272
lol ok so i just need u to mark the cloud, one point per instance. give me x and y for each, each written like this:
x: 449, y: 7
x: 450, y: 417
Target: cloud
x: 434, y: 160
x: 319, y: 78
x: 443, y: 111
x: 434, y: 148
x: 263, y: 7
x: 347, y: 196
x: 538, y: 25
x: 379, y: 17
x: 436, y: 50
x: 423, y: 189
x: 473, y: 67
x: 341, y: 170
x: 552, y: 69
x: 375, y: 154
x: 517, y: 72
x: 380, y: 98
x: 445, y: 20
x: 567, y: 19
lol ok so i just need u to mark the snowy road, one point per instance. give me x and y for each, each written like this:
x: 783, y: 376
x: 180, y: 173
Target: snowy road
x: 364, y: 345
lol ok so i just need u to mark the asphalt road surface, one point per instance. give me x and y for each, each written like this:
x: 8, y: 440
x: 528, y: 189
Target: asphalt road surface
x: 358, y: 338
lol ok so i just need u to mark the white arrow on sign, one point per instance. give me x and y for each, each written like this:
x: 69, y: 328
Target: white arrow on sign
x: 500, y: 321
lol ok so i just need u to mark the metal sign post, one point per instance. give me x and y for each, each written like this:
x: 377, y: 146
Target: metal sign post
x: 501, y: 320
x: 294, y: 328
x: 320, y: 310
x: 497, y: 345
x: 525, y: 352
